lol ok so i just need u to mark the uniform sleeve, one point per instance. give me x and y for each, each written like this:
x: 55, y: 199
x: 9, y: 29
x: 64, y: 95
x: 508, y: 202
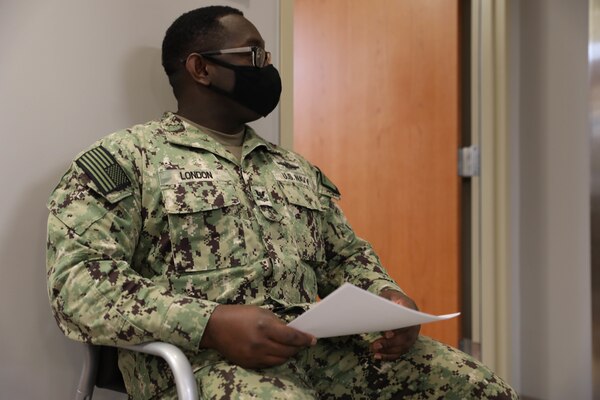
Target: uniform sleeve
x: 349, y: 258
x: 96, y: 296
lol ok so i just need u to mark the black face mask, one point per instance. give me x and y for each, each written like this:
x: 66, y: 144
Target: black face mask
x: 256, y: 88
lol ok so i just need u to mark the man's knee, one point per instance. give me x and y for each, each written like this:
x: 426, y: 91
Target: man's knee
x: 224, y: 381
x: 445, y: 372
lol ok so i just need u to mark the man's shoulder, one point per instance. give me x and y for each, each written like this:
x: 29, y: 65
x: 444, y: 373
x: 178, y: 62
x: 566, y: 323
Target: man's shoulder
x: 137, y: 134
x: 110, y: 162
x: 286, y: 155
x: 127, y: 144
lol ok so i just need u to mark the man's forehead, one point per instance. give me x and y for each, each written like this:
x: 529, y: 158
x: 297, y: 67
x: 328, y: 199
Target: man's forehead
x: 240, y: 32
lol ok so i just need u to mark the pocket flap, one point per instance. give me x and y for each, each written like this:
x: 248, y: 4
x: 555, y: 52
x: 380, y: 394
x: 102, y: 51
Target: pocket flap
x: 301, y: 196
x: 191, y: 197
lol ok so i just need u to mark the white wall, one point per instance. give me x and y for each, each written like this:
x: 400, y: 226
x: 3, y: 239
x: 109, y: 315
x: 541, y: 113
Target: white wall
x: 71, y: 72
x: 554, y: 168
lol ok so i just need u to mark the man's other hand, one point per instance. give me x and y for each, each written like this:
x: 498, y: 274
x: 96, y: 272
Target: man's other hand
x: 252, y: 337
x: 394, y: 344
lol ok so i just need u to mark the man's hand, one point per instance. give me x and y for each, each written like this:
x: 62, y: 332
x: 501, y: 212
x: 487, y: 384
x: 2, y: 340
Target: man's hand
x: 252, y: 337
x: 394, y: 344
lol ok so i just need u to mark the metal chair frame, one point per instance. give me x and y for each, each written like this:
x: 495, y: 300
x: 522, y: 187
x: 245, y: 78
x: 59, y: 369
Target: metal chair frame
x: 177, y: 361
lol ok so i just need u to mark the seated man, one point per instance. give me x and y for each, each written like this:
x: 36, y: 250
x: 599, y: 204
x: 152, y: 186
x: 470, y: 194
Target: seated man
x: 193, y: 230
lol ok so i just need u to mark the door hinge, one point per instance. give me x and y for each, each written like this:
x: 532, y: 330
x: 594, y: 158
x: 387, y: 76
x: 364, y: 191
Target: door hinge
x: 468, y: 161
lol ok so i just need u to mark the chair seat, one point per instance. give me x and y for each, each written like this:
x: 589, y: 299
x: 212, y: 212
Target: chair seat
x: 109, y: 376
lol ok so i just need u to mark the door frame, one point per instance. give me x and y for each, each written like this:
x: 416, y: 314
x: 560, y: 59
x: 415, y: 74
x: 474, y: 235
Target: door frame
x: 494, y: 237
x: 286, y: 61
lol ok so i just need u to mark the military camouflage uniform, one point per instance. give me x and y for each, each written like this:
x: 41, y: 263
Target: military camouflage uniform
x: 154, y: 226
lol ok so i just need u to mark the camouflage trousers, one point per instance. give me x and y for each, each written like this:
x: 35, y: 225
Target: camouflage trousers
x: 344, y: 368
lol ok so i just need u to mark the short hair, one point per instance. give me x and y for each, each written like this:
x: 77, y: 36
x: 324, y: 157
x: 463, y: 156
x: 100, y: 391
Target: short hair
x: 196, y: 30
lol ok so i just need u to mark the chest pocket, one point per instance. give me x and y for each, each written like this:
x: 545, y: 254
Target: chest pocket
x: 205, y: 227
x: 305, y: 221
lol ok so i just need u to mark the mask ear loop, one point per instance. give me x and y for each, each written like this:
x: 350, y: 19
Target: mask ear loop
x: 217, y: 89
x: 230, y: 66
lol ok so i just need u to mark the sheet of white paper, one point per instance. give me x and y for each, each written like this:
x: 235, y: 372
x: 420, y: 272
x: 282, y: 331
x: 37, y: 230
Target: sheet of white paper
x: 350, y: 310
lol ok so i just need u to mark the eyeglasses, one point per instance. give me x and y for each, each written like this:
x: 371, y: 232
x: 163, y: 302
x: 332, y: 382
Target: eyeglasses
x: 260, y: 57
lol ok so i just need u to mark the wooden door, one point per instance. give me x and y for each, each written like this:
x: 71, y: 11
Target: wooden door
x: 376, y: 107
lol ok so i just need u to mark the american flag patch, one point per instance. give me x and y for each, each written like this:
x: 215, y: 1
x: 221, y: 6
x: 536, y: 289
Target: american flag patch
x: 103, y: 169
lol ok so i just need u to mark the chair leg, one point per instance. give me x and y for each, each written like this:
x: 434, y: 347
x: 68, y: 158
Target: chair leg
x: 87, y: 380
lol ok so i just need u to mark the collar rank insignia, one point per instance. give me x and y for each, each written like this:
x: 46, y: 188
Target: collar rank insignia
x: 102, y: 168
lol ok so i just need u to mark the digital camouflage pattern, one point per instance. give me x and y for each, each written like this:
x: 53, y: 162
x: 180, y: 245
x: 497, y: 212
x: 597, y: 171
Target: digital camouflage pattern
x: 344, y: 369
x: 145, y: 243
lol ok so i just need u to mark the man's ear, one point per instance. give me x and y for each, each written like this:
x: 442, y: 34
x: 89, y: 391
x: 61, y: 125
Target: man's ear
x: 195, y: 65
